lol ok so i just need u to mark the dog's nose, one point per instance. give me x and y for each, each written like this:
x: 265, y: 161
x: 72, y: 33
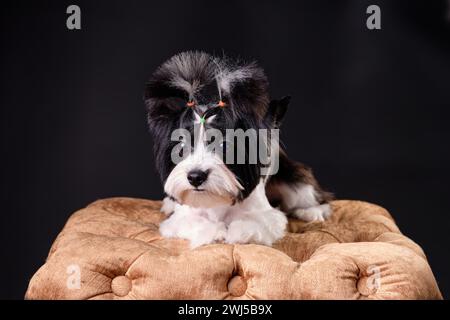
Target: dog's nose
x: 197, y: 177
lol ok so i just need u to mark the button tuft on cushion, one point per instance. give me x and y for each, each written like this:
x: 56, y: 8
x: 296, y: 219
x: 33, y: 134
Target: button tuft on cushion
x: 121, y: 286
x: 237, y: 286
x: 367, y: 286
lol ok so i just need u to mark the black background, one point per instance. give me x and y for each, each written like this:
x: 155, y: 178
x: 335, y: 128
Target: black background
x: 369, y: 111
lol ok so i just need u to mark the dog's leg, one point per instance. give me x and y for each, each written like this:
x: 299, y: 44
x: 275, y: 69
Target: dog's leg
x: 189, y: 223
x: 255, y: 220
x: 295, y: 190
x: 262, y: 227
x: 168, y: 206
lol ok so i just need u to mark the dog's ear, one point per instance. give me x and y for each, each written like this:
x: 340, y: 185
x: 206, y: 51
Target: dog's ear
x: 247, y: 86
x: 163, y: 102
x: 276, y: 111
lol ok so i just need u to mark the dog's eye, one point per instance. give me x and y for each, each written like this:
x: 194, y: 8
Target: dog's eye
x: 225, y: 145
x: 210, y: 141
x: 178, y: 149
x: 181, y: 152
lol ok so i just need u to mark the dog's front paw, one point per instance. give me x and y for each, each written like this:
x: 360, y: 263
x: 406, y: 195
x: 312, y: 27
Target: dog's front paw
x: 169, y: 228
x: 168, y: 206
x: 198, y: 230
x: 207, y: 233
x: 316, y: 213
x: 243, y: 231
x: 261, y: 231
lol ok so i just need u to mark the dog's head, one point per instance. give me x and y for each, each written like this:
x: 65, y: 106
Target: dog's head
x: 196, y: 103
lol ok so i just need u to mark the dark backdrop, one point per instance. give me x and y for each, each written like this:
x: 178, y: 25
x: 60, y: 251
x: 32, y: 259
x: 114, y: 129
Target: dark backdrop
x: 369, y: 112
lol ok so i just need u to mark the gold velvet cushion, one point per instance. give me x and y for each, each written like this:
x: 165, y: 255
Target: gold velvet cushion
x: 112, y: 250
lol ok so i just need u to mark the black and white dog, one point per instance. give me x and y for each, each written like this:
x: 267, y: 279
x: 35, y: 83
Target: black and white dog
x: 210, y: 199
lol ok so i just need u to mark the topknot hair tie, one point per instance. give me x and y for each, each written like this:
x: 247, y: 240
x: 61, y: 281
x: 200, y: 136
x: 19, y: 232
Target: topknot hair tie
x: 221, y: 104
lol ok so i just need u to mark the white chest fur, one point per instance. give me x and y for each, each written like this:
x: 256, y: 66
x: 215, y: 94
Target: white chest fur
x: 251, y: 221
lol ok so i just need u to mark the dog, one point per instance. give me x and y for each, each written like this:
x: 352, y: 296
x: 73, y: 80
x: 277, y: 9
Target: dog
x: 208, y: 199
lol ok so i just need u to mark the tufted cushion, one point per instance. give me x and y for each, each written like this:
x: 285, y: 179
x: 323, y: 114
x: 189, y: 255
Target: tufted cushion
x: 114, y: 249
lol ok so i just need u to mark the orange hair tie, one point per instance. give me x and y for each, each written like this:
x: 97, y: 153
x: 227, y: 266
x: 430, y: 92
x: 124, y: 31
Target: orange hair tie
x: 190, y: 103
x: 221, y: 104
